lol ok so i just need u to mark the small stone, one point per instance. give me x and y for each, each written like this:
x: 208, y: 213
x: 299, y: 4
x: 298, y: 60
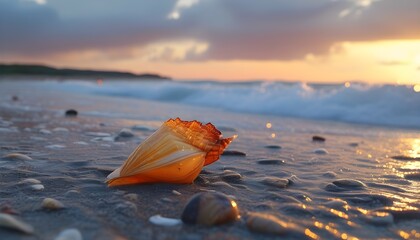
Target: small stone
x: 98, y: 134
x: 73, y: 193
x: 167, y: 200
x: 8, y: 221
x: 31, y: 181
x: 320, y: 151
x: 71, y: 113
x: 55, y: 146
x: 353, y: 144
x: 69, y: 234
x: 266, y: 223
x: 210, y: 209
x: 273, y: 147
x: 125, y: 133
x: 15, y: 98
x: 60, y: 129
x: 142, y: 128
x: 132, y: 197
x: 37, y: 187
x: 330, y: 174
x: 270, y: 162
x: 51, y: 204
x: 16, y: 156
x: 275, y: 182
x: 233, y: 153
x: 163, y: 221
x: 176, y: 192
x: 318, y: 139
x: 231, y: 176
x: 349, y: 183
x: 45, y: 131
x: 81, y: 143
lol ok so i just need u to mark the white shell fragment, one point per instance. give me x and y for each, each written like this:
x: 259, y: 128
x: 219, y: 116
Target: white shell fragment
x: 69, y: 234
x: 17, y: 156
x: 11, y: 222
x: 176, y: 192
x: 163, y: 221
x: 37, y: 187
x: 51, y: 204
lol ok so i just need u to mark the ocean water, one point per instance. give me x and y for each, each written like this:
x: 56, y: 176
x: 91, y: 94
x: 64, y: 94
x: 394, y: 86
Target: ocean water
x: 389, y: 105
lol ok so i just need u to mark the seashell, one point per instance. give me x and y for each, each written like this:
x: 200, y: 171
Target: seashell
x: 210, y: 209
x: 37, y: 187
x: 163, y: 221
x: 175, y: 153
x: 266, y: 223
x: 51, y: 204
x: 69, y: 234
x: 10, y: 222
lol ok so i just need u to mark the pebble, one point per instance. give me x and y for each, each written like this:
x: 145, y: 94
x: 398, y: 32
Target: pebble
x: 210, y: 208
x: 102, y: 139
x: 320, y: 151
x: 37, y: 138
x: 17, y: 156
x: 176, y: 192
x: 55, y: 146
x: 231, y: 176
x: 275, y: 182
x: 353, y: 144
x: 142, y: 128
x: 318, y: 139
x: 8, y: 130
x: 98, y: 134
x: 349, y: 183
x: 330, y: 174
x: 81, y: 143
x: 52, y: 204
x: 60, y: 129
x: 37, y: 187
x: 45, y: 131
x: 266, y: 223
x: 273, y: 147
x: 134, y: 197
x: 8, y: 221
x: 163, y: 221
x: 70, y: 113
x: 233, y: 153
x: 270, y: 162
x: 31, y: 180
x: 69, y: 234
x: 125, y: 133
x: 15, y: 98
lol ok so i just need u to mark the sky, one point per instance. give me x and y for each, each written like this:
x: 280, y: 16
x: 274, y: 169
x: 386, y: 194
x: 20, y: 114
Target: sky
x: 374, y: 41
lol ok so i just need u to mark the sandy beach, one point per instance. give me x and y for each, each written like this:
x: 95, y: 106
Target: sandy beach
x: 362, y: 182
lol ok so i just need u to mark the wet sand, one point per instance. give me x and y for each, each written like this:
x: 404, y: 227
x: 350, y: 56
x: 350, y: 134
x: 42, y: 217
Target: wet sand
x: 348, y: 186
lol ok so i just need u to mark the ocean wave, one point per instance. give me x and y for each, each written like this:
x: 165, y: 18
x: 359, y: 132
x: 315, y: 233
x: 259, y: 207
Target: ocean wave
x: 358, y: 103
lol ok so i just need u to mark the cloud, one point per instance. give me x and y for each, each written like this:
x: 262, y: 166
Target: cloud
x: 234, y: 29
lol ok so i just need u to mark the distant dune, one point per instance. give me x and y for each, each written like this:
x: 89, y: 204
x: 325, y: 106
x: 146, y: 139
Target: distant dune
x: 22, y: 70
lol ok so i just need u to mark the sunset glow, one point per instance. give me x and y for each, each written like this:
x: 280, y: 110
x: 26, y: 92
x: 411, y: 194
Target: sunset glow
x: 184, y: 42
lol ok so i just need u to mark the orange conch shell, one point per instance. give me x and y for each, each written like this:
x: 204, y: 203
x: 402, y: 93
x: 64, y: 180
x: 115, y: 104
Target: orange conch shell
x: 175, y: 153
